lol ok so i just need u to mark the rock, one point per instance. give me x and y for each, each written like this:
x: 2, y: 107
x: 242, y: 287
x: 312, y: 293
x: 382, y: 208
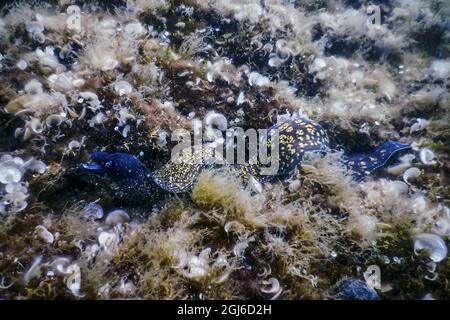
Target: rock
x: 355, y: 289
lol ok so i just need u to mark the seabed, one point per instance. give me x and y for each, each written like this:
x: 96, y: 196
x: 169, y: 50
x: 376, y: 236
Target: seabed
x: 78, y: 77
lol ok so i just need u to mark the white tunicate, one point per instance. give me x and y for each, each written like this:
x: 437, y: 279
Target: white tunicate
x: 161, y: 139
x: 12, y: 170
x: 134, y: 29
x: 44, y: 234
x: 223, y: 69
x: 443, y: 222
x: 104, y: 291
x: 34, y: 27
x: 16, y: 187
x: 6, y: 157
x: 216, y: 120
x: 431, y: 266
x: 271, y: 286
x: 91, y: 98
x: 191, y: 115
x: 74, y: 144
x: 9, y: 174
x: 18, y: 205
x: 73, y: 281
x: 251, y: 12
x: 440, y: 69
x: 47, y: 57
x: 4, y: 285
x: 294, y: 185
x: 33, y: 87
x: 256, y: 79
x: 99, y: 118
x: 357, y: 76
x: 197, y: 266
x: 282, y: 51
x: 213, y: 135
x: 126, y: 287
x: 22, y: 64
x: 428, y: 296
x: 124, y: 115
x: 91, y: 251
x: 108, y: 241
x: 117, y: 217
x: 123, y: 88
x: 34, y: 271
x: 411, y: 174
x: 126, y: 130
x: 93, y: 211
x: 232, y: 225
x: 274, y: 61
x: 432, y: 244
x: 196, y: 127
x: 317, y: 65
x: 240, y: 247
x: 407, y: 158
x: 241, y: 98
x: 443, y: 226
x: 59, y: 265
x: 54, y: 120
x: 427, y: 157
x: 35, y: 126
x: 35, y: 165
x: 420, y: 125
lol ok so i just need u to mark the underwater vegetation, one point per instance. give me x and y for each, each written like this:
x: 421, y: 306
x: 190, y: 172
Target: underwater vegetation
x: 93, y: 93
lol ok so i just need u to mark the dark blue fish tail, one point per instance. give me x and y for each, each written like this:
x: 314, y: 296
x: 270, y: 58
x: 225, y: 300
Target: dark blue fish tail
x: 363, y: 164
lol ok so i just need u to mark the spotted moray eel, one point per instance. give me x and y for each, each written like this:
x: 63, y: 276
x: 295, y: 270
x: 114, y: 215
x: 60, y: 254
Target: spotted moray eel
x: 297, y: 137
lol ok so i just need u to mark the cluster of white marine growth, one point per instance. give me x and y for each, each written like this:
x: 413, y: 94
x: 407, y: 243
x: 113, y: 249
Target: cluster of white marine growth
x: 13, y: 190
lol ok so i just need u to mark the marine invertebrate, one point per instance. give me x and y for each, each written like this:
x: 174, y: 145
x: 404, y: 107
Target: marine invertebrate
x: 14, y: 191
x: 54, y: 120
x: 411, y: 174
x: 122, y: 87
x: 272, y: 287
x: 427, y: 157
x: 93, y: 211
x: 433, y: 244
x: 116, y: 217
x: 44, y: 234
x: 34, y: 270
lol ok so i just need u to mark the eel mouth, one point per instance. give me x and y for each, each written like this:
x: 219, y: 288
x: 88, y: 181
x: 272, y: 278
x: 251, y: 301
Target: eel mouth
x: 93, y: 167
x: 97, y: 165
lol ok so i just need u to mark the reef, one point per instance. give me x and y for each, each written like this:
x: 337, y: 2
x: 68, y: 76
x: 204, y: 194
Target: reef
x: 84, y: 80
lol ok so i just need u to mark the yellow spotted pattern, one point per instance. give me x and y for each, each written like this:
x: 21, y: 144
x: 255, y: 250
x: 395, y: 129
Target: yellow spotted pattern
x: 295, y: 136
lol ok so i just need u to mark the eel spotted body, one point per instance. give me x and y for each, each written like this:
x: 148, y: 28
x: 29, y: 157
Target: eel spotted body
x: 296, y: 138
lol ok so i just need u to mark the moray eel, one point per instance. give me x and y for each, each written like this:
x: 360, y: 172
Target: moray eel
x: 297, y: 138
